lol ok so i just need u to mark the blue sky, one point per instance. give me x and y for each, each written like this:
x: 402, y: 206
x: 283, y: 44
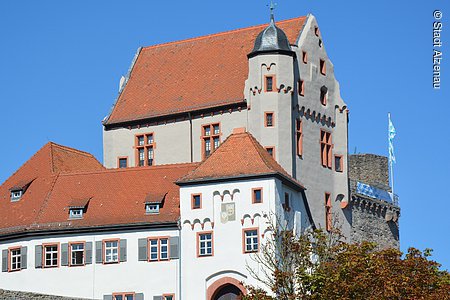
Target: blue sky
x: 61, y: 61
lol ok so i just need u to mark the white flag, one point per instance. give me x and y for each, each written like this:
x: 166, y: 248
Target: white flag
x: 391, y: 135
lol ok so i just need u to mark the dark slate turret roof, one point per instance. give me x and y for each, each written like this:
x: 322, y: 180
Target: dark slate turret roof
x: 272, y: 38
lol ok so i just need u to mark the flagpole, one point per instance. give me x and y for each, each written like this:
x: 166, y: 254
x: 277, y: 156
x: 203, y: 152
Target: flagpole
x: 390, y: 160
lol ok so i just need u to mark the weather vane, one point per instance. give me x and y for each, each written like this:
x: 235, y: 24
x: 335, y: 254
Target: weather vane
x: 272, y: 8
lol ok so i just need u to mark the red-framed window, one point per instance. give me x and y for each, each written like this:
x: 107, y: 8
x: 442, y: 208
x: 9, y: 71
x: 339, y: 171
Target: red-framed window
x: 339, y: 163
x: 158, y: 249
x: 124, y: 296
x: 323, y: 67
x: 250, y: 240
x: 168, y: 296
x: 14, y: 259
x: 299, y: 136
x: 326, y: 147
x: 271, y: 150
x: 111, y: 251
x: 77, y: 254
x: 196, y: 201
x: 301, y: 87
x: 269, y: 119
x: 269, y: 83
x: 257, y: 195
x: 328, y: 218
x: 210, y: 138
x: 145, y: 149
x: 51, y: 255
x: 122, y: 162
x: 205, y: 244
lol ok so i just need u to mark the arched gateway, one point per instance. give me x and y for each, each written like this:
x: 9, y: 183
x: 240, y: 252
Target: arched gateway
x: 226, y: 288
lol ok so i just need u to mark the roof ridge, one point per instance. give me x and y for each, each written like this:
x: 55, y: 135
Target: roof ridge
x: 129, y: 169
x: 71, y: 149
x: 217, y: 34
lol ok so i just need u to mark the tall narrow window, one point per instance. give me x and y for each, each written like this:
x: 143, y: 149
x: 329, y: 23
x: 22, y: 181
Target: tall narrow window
x: 299, y: 132
x: 251, y: 240
x: 257, y: 195
x: 145, y: 145
x: 15, y: 262
x: 328, y: 211
x: 271, y: 151
x: 270, y: 82
x: 268, y: 120
x: 196, y: 201
x: 51, y: 256
x: 316, y: 31
x: 323, y: 67
x: 301, y: 88
x: 326, y: 148
x: 323, y: 95
x: 339, y: 163
x: 205, y: 244
x: 304, y: 57
x: 77, y: 254
x: 287, y: 204
x: 111, y: 253
x: 210, y: 139
x: 158, y: 248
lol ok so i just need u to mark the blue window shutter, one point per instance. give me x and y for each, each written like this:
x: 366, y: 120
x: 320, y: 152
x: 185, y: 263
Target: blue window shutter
x: 5, y: 260
x: 107, y: 297
x: 123, y: 250
x: 64, y: 254
x: 23, y: 257
x: 143, y: 249
x: 88, y: 253
x: 158, y: 298
x: 98, y: 252
x: 174, y: 244
x: 139, y: 296
x: 38, y: 256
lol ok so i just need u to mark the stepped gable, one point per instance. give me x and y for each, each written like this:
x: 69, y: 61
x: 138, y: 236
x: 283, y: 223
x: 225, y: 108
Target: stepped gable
x: 37, y: 177
x: 191, y: 75
x: 239, y: 156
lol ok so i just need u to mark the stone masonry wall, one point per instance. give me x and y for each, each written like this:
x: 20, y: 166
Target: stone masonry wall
x: 14, y: 295
x: 369, y: 168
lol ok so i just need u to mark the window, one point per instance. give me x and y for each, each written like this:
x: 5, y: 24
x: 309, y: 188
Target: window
x: 316, y: 31
x: 16, y: 195
x: 323, y: 95
x: 159, y: 249
x: 50, y: 256
x: 196, y: 201
x: 339, y: 163
x: 15, y: 261
x: 168, y: 297
x: 268, y: 119
x: 152, y: 208
x: 304, y: 57
x: 257, y: 195
x: 76, y: 254
x: 123, y: 296
x: 251, y: 240
x: 325, y: 148
x: 123, y: 162
x: 205, y: 244
x: 111, y: 253
x: 328, y: 211
x: 301, y: 88
x: 270, y: 82
x: 145, y: 150
x: 299, y: 132
x: 75, y: 213
x: 323, y: 67
x: 210, y: 139
x: 271, y: 151
x: 286, y: 204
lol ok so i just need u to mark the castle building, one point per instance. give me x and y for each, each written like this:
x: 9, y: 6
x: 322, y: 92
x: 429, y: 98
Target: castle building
x: 208, y: 136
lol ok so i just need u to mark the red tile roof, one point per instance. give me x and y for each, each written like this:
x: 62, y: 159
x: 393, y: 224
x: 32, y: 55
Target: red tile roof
x: 193, y: 74
x: 239, y: 156
x: 39, y: 173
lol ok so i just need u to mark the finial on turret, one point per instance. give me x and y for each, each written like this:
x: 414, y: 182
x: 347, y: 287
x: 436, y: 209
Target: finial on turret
x: 272, y: 8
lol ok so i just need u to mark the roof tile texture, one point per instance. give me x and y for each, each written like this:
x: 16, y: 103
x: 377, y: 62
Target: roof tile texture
x: 193, y: 74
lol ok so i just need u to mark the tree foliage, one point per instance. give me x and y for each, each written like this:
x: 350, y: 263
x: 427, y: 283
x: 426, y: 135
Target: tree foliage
x: 320, y: 265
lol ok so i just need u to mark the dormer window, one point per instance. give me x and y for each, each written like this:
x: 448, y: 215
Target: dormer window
x: 16, y: 195
x: 152, y: 208
x: 76, y: 213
